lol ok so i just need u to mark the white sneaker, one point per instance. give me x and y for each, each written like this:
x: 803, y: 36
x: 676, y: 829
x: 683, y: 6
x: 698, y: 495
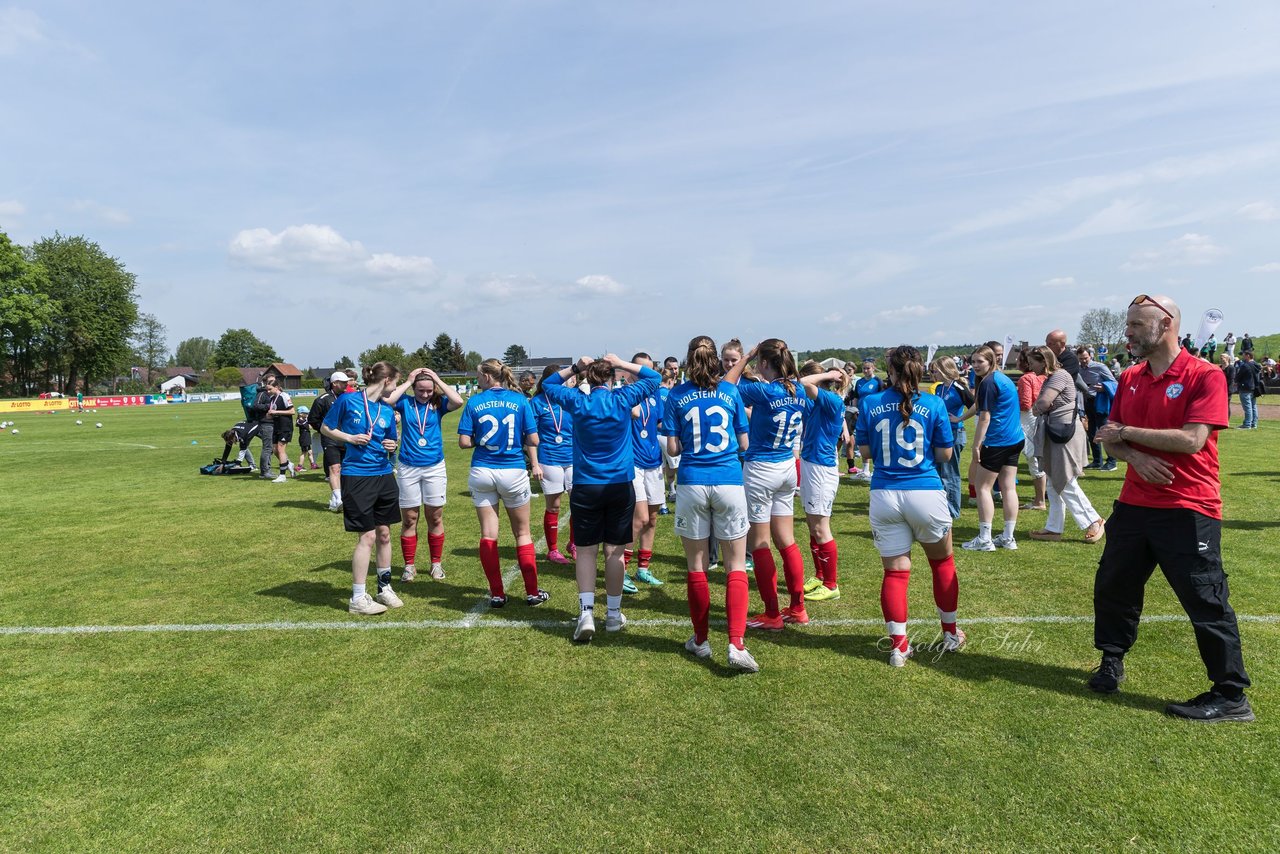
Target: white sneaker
x: 898, y: 658
x: 979, y: 544
x: 1003, y: 542
x: 334, y: 504
x: 437, y: 572
x: 615, y: 624
x: 586, y: 628
x: 953, y: 642
x: 281, y: 479
x: 740, y: 659
x: 409, y: 574
x: 702, y: 650
x: 389, y: 598
x: 365, y: 605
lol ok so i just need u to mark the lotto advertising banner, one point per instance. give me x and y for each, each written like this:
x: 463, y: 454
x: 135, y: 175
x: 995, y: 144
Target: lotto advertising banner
x: 40, y: 405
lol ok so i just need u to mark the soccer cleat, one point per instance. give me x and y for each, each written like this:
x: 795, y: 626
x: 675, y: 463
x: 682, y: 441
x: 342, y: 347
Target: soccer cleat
x: 437, y: 572
x: 647, y: 577
x: 497, y: 601
x: 823, y: 594
x: 764, y: 621
x: 898, y: 657
x: 812, y: 584
x: 293, y: 470
x: 364, y: 604
x: 1111, y: 466
x: 701, y: 650
x: 388, y: 597
x: 864, y: 475
x: 713, y: 566
x: 409, y: 574
x: 1108, y: 675
x: 586, y: 628
x: 740, y: 659
x: 751, y: 564
x: 279, y: 479
x: 335, y: 504
x: 537, y: 599
x: 628, y: 587
x: 615, y: 624
x: 1005, y: 542
x: 1211, y: 708
x: 665, y: 511
x: 573, y: 551
x: 979, y: 544
x: 556, y: 557
x: 953, y: 642
x: 797, y: 615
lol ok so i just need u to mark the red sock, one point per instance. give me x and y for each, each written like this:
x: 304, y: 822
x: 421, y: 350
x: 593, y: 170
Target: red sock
x: 551, y: 529
x: 436, y: 543
x: 973, y: 493
x: 831, y: 560
x: 766, y: 580
x: 643, y: 558
x: 797, y: 471
x: 793, y: 572
x: 946, y: 591
x: 699, y: 604
x: 527, y: 560
x: 815, y: 549
x: 627, y: 554
x: 893, y: 602
x: 737, y: 592
x: 409, y: 546
x: 489, y: 563
x: 571, y: 543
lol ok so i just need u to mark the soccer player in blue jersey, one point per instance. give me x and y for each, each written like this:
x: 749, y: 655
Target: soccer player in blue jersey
x: 670, y: 376
x: 863, y: 387
x: 777, y: 417
x: 907, y: 433
x: 555, y: 459
x: 824, y: 429
x: 706, y: 425
x: 955, y: 393
x: 422, y: 478
x: 650, y: 496
x: 997, y: 441
x: 603, y: 499
x: 366, y: 424
x: 497, y: 422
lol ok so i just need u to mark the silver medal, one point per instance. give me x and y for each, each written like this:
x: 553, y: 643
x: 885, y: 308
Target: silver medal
x: 559, y: 439
x: 644, y: 434
x: 422, y: 443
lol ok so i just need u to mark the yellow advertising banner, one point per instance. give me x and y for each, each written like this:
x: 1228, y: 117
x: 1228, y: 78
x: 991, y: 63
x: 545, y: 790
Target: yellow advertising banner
x: 40, y: 405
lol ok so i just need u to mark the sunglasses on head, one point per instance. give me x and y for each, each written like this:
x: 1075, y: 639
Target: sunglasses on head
x: 1144, y: 299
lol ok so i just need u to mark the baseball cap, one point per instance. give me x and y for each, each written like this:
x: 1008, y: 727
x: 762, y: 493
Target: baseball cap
x: 339, y: 377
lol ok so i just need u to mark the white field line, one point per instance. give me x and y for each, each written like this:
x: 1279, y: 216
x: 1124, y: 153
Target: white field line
x: 469, y: 623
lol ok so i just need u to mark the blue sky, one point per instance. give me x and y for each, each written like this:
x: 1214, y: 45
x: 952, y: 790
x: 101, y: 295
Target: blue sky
x: 583, y: 177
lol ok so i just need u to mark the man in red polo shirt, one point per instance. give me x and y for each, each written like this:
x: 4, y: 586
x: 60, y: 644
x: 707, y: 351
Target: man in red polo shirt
x: 1163, y: 423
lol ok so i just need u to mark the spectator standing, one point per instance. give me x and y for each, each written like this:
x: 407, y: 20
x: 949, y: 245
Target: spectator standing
x: 1229, y: 343
x: 1029, y: 384
x: 1246, y: 343
x: 1099, y: 388
x: 1248, y: 377
x: 331, y: 450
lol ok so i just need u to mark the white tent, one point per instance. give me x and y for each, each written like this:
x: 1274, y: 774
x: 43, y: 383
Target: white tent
x: 828, y: 364
x: 176, y: 382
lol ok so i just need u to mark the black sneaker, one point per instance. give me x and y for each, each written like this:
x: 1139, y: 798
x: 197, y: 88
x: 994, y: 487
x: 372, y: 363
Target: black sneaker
x: 1211, y: 707
x: 1111, y: 466
x: 497, y: 601
x: 1108, y: 675
x: 537, y: 598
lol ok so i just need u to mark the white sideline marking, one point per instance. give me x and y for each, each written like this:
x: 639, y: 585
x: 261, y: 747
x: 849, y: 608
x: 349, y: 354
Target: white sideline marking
x: 469, y: 623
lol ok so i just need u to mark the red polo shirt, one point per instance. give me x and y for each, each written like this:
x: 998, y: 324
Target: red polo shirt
x: 1189, y: 392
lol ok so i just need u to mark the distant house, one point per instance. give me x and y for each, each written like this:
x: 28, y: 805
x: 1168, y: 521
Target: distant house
x: 249, y: 376
x: 537, y: 365
x: 156, y: 378
x: 287, y: 375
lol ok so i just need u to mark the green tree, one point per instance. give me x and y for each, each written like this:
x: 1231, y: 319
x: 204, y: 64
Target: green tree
x: 151, y: 346
x: 195, y: 353
x: 1101, y: 326
x: 441, y: 350
x: 457, y: 360
x: 515, y: 355
x: 227, y: 377
x: 471, y: 360
x: 240, y: 348
x: 344, y: 362
x: 26, y: 316
x: 389, y: 352
x: 97, y: 308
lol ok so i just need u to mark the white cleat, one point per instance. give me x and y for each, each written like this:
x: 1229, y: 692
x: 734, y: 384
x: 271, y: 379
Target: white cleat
x: 586, y: 628
x: 953, y: 642
x: 701, y: 650
x: 389, y: 598
x: 740, y: 659
x: 280, y: 479
x: 334, y: 504
x: 897, y: 658
x: 615, y: 624
x: 978, y: 544
x: 365, y: 605
x: 1003, y: 542
x: 409, y: 574
x: 437, y: 572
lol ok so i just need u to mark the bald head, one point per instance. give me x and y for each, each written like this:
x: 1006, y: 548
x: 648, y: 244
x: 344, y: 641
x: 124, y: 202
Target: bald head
x: 1152, y: 327
x: 1056, y: 341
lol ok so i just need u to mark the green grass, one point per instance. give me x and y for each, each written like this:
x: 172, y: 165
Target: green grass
x: 515, y: 739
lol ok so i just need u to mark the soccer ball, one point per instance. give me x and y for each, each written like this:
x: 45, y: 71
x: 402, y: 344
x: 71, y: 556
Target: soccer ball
x: 78, y: 422
x: 99, y: 424
x: 15, y: 431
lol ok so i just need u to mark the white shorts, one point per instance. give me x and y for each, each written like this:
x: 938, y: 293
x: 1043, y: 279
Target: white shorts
x: 900, y: 517
x: 556, y: 479
x: 427, y: 485
x: 488, y: 486
x: 649, y: 487
x: 818, y: 485
x: 771, y: 489
x: 700, y: 510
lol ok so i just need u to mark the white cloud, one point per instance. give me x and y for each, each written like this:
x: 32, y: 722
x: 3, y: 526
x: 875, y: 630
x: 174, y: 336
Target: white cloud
x: 906, y: 311
x: 19, y: 27
x: 12, y: 208
x: 599, y: 285
x: 101, y: 212
x: 525, y: 285
x: 388, y: 266
x: 1059, y: 282
x: 1259, y: 211
x: 832, y: 319
x: 1273, y: 267
x: 322, y: 248
x: 1189, y: 250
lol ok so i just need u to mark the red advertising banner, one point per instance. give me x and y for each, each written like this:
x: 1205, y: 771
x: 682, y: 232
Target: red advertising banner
x: 115, y: 400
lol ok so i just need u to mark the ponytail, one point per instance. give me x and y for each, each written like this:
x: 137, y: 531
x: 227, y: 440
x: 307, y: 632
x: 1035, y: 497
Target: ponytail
x: 702, y: 362
x: 775, y: 353
x: 906, y: 369
x: 499, y: 373
x: 379, y: 371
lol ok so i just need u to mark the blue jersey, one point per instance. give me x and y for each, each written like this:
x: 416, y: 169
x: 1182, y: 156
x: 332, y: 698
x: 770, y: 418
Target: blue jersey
x: 498, y: 420
x: 864, y: 387
x: 777, y: 418
x: 356, y: 414
x: 903, y: 452
x: 823, y: 426
x: 423, y: 444
x: 602, y: 452
x: 708, y: 422
x: 999, y: 396
x: 644, y: 432
x: 555, y: 431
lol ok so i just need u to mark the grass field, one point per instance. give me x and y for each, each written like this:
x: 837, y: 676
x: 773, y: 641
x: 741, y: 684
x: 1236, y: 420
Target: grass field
x: 469, y: 730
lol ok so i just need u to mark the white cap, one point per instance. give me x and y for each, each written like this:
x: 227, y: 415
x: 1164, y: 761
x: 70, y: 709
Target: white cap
x: 339, y: 377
